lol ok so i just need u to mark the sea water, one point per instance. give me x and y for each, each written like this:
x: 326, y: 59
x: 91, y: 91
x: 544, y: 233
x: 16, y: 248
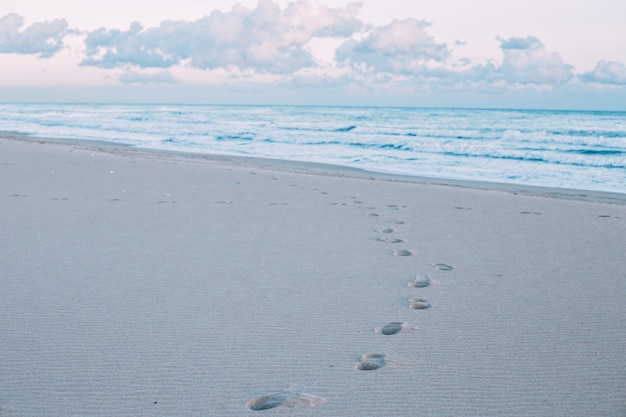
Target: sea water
x: 567, y: 149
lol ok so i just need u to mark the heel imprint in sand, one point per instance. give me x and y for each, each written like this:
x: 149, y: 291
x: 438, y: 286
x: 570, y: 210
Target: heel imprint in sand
x: 402, y: 252
x: 421, y: 281
x: 371, y: 362
x: 394, y: 327
x: 293, y: 397
x: 390, y: 240
x: 443, y: 267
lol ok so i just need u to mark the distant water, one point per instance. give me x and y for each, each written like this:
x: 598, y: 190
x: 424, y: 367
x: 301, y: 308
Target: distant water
x: 567, y: 149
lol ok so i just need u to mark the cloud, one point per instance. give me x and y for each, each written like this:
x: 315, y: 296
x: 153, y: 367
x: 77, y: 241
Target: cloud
x: 266, y: 39
x: 606, y: 72
x: 527, y: 61
x: 133, y: 77
x: 402, y: 47
x: 43, y: 39
x: 405, y: 48
x: 114, y: 48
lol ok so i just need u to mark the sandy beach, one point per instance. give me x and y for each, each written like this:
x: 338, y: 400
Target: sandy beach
x: 143, y: 283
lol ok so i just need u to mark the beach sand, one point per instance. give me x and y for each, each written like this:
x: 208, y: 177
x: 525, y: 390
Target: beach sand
x: 141, y: 283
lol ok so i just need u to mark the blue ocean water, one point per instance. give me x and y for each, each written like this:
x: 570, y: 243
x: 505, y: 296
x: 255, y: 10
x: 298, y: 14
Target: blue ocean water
x: 567, y: 149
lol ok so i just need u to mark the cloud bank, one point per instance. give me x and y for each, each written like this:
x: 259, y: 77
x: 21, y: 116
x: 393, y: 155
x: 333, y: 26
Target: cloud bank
x: 280, y: 42
x: 264, y: 40
x: 607, y: 72
x: 43, y: 39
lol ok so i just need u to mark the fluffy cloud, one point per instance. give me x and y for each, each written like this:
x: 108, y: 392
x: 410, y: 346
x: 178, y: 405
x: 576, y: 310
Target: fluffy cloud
x: 113, y: 48
x: 606, y: 72
x: 402, y: 47
x: 265, y: 39
x: 527, y: 61
x: 405, y: 48
x: 43, y: 39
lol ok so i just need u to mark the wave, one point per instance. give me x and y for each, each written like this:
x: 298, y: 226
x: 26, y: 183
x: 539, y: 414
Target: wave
x: 596, y: 151
x: 590, y: 133
x: 236, y: 137
x: 319, y: 129
x: 345, y: 129
x: 536, y: 158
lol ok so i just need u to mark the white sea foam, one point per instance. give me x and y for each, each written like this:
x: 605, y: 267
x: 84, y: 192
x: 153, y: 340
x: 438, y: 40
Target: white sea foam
x: 581, y: 150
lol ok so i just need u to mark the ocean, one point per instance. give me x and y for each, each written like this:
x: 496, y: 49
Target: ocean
x: 583, y: 150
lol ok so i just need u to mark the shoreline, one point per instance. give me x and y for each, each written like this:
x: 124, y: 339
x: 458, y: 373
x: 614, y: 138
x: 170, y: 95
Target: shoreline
x: 326, y: 169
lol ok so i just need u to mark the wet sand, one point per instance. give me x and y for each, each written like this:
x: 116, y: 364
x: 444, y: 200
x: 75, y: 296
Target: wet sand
x: 149, y: 283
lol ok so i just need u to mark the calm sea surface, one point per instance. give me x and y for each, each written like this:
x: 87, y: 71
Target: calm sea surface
x: 568, y: 149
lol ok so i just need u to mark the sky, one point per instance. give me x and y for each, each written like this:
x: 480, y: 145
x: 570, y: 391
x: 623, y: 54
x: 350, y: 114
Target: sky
x: 557, y: 54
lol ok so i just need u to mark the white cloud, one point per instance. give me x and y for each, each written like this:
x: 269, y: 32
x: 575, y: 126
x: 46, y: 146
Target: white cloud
x: 606, y: 72
x: 113, y: 48
x: 43, y: 39
x: 266, y: 39
x: 402, y: 47
x: 527, y: 61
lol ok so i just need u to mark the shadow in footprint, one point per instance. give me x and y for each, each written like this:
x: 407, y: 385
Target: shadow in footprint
x: 293, y: 397
x: 389, y: 240
x: 418, y: 304
x: 394, y: 327
x: 371, y: 362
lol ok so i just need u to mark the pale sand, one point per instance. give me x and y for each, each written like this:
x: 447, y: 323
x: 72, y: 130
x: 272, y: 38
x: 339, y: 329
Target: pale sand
x: 148, y: 284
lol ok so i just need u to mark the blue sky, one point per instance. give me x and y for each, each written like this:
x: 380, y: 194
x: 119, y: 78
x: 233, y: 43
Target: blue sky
x: 530, y: 54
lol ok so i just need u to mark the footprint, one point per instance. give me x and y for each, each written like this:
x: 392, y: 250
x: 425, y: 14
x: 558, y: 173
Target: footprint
x: 293, y: 397
x: 443, y: 267
x: 402, y: 252
x: 394, y: 327
x: 371, y: 362
x: 421, y: 281
x: 372, y: 214
x: 390, y: 240
x: 418, y: 303
x: 396, y: 221
x: 386, y: 230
